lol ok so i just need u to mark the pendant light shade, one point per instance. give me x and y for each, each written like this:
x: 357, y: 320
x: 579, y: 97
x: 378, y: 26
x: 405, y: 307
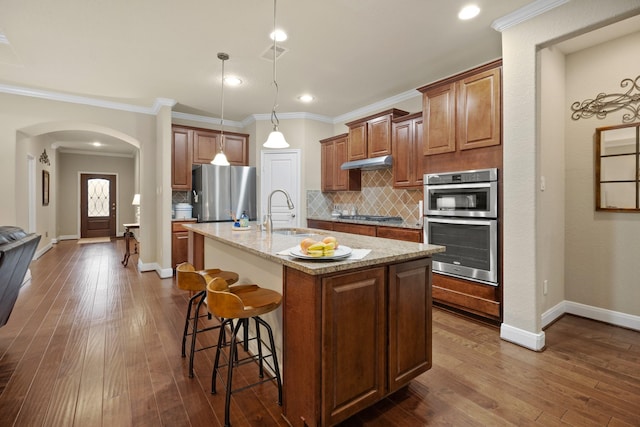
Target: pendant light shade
x: 221, y: 159
x: 276, y: 138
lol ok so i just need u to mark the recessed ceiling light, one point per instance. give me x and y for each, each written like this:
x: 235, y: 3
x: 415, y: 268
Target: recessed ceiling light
x: 232, y: 81
x: 468, y: 12
x: 306, y: 98
x: 96, y: 144
x: 279, y: 34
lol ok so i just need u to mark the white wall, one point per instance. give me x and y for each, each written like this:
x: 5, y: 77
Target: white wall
x: 603, y: 249
x: 521, y: 136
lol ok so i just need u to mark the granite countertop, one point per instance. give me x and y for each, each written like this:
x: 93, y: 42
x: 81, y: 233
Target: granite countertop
x: 269, y: 246
x: 400, y: 224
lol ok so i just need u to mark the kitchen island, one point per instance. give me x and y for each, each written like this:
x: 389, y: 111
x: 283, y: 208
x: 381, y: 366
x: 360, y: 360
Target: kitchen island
x: 349, y: 332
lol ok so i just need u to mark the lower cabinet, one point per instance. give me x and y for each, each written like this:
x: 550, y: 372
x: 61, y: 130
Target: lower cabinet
x: 397, y: 233
x: 179, y: 243
x: 358, y: 337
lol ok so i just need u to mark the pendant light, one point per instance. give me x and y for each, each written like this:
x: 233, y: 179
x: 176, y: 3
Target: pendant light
x: 276, y: 139
x: 220, y: 159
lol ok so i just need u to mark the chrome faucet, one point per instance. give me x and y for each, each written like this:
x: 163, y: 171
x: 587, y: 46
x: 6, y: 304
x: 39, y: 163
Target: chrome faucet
x: 268, y: 224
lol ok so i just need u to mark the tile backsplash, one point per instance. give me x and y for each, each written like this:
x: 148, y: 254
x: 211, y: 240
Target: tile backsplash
x: 377, y: 197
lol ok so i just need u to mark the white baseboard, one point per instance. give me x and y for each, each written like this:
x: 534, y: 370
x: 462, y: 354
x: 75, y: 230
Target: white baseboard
x: 42, y: 251
x: 164, y: 273
x: 522, y: 338
x: 595, y: 313
x: 69, y: 237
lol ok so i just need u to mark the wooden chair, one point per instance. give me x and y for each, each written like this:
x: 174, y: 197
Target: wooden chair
x: 192, y: 280
x: 242, y: 303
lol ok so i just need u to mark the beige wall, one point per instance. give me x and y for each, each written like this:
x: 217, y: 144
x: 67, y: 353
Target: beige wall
x: 603, y: 248
x: 27, y: 120
x: 70, y: 166
x: 550, y: 250
x: 522, y: 296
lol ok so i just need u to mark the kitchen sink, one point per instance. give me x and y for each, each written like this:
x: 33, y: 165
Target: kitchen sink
x: 294, y: 231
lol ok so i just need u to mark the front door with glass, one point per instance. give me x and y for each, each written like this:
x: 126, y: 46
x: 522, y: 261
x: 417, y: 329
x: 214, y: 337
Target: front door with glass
x: 97, y: 205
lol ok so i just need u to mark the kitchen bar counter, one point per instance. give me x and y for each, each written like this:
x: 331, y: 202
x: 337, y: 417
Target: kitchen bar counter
x: 348, y: 332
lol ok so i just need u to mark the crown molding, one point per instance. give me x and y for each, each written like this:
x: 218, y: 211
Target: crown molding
x: 376, y: 106
x: 288, y: 116
x: 205, y: 119
x: 83, y: 100
x: 525, y: 13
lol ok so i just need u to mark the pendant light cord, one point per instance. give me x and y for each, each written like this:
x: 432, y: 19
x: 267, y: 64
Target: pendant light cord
x: 223, y: 57
x: 274, y: 118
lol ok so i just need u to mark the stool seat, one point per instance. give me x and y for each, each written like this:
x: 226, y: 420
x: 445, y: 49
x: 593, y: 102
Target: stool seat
x: 241, y: 303
x: 195, y: 281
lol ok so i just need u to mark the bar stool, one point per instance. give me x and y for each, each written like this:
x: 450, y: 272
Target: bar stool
x: 190, y: 279
x: 242, y: 303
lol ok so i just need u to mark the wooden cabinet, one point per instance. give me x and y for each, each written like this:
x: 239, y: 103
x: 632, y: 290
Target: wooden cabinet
x: 179, y: 243
x: 181, y: 148
x: 353, y: 343
x: 206, y: 144
x: 462, y: 113
x: 409, y: 314
x: 199, y: 146
x: 406, y: 142
x: 362, y: 229
x: 371, y: 136
x: 396, y: 233
x: 358, y: 336
x: 333, y: 154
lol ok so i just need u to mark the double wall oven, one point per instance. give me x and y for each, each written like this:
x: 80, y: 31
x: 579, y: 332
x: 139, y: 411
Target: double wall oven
x: 461, y: 213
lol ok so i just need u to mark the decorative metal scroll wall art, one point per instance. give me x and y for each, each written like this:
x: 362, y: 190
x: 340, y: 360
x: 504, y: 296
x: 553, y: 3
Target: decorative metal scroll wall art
x: 44, y: 158
x: 604, y: 104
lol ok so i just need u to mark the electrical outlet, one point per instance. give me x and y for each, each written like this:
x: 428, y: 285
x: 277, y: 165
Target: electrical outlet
x: 545, y: 287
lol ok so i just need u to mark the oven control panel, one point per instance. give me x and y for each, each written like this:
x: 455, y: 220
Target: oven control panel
x: 463, y: 177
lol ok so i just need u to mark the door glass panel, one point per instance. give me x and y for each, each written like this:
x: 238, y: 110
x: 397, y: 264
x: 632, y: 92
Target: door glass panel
x: 98, y: 197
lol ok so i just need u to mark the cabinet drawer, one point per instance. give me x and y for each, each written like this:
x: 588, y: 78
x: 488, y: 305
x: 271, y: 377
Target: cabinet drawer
x: 177, y: 227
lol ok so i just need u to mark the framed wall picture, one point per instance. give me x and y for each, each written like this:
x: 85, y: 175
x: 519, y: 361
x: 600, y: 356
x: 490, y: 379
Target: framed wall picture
x: 45, y: 188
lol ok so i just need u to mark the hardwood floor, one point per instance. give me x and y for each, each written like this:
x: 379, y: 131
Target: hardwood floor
x: 92, y: 343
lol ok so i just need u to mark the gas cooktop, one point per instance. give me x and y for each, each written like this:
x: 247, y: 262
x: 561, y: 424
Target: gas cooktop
x: 378, y: 218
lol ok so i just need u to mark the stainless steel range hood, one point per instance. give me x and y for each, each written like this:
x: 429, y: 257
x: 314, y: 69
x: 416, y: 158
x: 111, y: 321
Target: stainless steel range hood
x: 381, y: 162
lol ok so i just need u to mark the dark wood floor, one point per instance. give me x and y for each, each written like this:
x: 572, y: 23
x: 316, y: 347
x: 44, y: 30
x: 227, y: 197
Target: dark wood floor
x: 91, y: 343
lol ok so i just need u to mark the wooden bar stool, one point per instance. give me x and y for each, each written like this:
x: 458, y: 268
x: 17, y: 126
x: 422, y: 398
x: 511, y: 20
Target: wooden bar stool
x: 190, y: 279
x: 242, y: 303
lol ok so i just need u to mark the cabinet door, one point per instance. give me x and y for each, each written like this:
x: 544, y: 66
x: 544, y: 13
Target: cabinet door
x: 179, y: 247
x: 365, y: 230
x: 397, y: 233
x: 479, y: 110
x: 322, y: 225
x: 353, y: 343
x: 379, y: 136
x: 409, y: 320
x: 236, y: 148
x: 357, y: 147
x: 418, y: 171
x: 439, y: 114
x: 205, y: 146
x: 403, y: 157
x: 181, y: 142
x: 327, y: 166
x: 341, y: 178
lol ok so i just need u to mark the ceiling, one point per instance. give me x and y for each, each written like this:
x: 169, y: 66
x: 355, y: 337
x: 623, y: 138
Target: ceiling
x: 347, y: 53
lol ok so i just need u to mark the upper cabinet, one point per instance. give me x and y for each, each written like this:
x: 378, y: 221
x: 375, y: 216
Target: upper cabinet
x: 333, y: 154
x: 371, y: 136
x: 206, y: 145
x: 199, y: 146
x: 181, y: 148
x: 407, y: 149
x: 464, y: 111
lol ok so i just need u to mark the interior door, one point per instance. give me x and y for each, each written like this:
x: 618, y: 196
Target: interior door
x: 281, y: 170
x: 97, y: 205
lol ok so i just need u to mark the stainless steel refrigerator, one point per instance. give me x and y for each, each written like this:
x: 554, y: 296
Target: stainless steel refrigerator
x: 222, y: 191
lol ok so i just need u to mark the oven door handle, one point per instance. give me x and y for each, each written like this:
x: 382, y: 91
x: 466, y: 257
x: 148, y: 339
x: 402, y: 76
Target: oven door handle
x: 457, y: 186
x: 489, y: 222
